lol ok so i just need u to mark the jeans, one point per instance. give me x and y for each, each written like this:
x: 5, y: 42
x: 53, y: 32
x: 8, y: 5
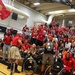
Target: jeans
x: 6, y: 49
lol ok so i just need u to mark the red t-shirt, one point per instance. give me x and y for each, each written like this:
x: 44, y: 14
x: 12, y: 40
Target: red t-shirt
x: 15, y: 41
x: 49, y: 31
x: 7, y: 39
x: 26, y: 46
x: 23, y: 37
x: 56, y: 46
x: 34, y: 34
x: 40, y: 36
x: 65, y: 39
x: 45, y: 28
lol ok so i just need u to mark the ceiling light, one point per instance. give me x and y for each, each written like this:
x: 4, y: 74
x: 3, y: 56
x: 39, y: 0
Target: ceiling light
x: 51, y: 12
x: 72, y: 10
x: 60, y: 11
x: 36, y: 3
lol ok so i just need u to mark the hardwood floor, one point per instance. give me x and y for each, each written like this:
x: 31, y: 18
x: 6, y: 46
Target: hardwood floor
x: 3, y: 68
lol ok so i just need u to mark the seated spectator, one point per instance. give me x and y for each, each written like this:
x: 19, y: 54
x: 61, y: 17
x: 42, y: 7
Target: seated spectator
x: 64, y: 52
x: 26, y: 46
x: 30, y: 51
x: 69, y: 64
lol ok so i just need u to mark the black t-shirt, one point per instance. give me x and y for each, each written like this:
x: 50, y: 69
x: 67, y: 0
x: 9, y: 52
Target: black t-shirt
x: 49, y: 48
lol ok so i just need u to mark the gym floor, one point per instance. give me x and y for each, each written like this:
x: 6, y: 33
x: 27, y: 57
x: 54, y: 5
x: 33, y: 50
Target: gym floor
x: 3, y: 68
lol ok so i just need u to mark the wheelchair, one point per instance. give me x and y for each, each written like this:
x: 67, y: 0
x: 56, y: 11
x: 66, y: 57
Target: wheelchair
x: 38, y: 56
x: 55, y: 68
x: 12, y: 68
x: 29, y: 66
x: 67, y: 73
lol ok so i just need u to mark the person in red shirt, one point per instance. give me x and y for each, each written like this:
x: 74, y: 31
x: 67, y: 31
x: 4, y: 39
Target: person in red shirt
x: 55, y: 45
x: 40, y: 37
x: 7, y: 42
x: 24, y: 28
x: 14, y: 53
x: 26, y: 46
x: 68, y: 63
x: 33, y: 36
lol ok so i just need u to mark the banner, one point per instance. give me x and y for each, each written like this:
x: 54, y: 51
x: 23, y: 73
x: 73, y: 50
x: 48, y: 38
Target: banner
x: 4, y: 13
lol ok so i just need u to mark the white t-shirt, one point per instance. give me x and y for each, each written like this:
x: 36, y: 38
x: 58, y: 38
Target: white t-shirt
x: 68, y: 45
x: 55, y: 39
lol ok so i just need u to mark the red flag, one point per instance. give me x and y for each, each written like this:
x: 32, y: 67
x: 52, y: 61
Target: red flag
x: 4, y: 13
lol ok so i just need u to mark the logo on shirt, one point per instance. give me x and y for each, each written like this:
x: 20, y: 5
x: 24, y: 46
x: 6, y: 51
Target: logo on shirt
x: 70, y: 61
x: 0, y: 7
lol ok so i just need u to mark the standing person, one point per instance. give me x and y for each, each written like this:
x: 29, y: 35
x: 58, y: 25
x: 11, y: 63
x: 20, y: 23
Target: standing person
x: 7, y: 42
x: 33, y: 35
x: 14, y: 53
x: 68, y: 44
x: 48, y: 53
x: 61, y: 47
x: 40, y: 37
x: 55, y: 38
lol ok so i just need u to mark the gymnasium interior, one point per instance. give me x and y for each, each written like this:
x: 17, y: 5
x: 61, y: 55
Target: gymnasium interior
x: 37, y: 37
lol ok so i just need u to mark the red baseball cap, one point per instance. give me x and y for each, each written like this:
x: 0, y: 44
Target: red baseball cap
x: 51, y: 35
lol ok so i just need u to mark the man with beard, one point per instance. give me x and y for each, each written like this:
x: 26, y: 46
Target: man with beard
x: 48, y: 53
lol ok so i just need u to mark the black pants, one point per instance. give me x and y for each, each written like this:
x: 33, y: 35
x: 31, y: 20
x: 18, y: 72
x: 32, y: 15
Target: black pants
x: 38, y: 42
x: 33, y: 40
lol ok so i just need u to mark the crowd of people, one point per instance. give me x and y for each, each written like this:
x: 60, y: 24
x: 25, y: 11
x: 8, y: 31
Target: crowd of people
x: 53, y: 38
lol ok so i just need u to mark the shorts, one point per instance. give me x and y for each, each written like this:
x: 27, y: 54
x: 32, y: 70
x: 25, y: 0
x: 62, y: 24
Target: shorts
x: 48, y: 57
x: 14, y: 53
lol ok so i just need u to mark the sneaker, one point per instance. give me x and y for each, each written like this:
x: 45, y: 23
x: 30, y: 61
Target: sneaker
x: 21, y: 70
x: 8, y: 67
x: 17, y: 71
